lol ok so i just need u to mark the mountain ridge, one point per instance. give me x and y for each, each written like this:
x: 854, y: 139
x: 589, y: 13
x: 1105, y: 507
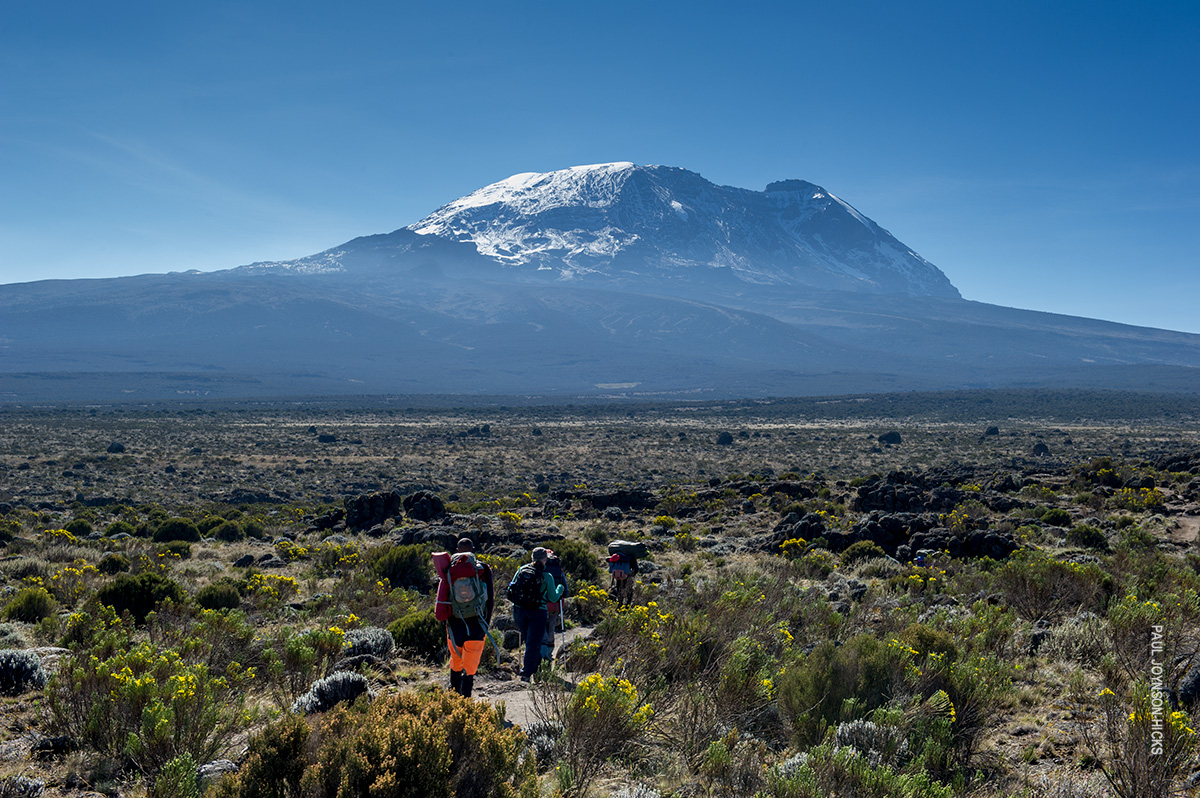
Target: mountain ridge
x: 430, y: 312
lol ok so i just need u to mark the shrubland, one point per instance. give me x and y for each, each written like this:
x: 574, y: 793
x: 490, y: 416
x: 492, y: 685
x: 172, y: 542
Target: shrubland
x: 821, y: 614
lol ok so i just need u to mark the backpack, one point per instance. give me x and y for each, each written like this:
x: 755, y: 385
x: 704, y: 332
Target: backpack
x: 468, y: 592
x: 555, y: 569
x: 525, y: 589
x: 631, y: 549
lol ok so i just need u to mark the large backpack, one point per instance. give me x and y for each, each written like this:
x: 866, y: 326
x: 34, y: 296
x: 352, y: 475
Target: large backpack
x: 555, y: 569
x: 631, y: 549
x: 525, y: 589
x: 468, y: 592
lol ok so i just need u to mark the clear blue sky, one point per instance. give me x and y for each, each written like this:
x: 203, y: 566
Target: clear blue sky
x: 1044, y: 155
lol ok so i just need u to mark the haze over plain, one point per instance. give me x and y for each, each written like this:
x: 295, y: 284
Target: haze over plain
x: 1042, y: 157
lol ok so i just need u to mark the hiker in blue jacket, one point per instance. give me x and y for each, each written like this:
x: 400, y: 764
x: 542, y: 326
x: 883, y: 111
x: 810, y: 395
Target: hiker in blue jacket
x: 532, y: 587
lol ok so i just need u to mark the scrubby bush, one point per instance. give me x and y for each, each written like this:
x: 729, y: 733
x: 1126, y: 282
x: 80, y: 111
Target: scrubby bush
x: 80, y: 527
x: 601, y: 718
x: 579, y: 562
x: 327, y: 693
x: 177, y: 779
x: 228, y: 531
x: 403, y: 566
x: 176, y: 548
x: 146, y: 704
x: 1043, y: 588
x: 372, y: 641
x: 30, y: 605
x: 113, y: 563
x: 1088, y: 536
x: 274, y: 763
x: 811, y: 694
x: 403, y: 745
x: 20, y: 671
x: 219, y: 596
x: 831, y: 770
x: 420, y: 634
x: 1056, y: 516
x: 294, y: 660
x: 176, y: 529
x: 140, y: 593
x: 862, y: 550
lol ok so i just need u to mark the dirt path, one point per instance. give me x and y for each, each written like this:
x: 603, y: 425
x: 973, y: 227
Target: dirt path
x: 514, y: 694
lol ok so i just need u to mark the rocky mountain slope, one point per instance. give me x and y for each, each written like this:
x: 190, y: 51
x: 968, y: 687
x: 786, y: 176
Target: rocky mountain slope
x: 600, y: 280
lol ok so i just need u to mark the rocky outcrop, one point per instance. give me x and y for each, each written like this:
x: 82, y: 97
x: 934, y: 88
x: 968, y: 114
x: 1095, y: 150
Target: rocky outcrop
x: 424, y: 506
x: 367, y: 510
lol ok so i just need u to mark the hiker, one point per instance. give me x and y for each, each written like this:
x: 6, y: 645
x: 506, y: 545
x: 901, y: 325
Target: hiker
x: 554, y: 609
x: 465, y: 600
x: 529, y: 591
x: 622, y: 568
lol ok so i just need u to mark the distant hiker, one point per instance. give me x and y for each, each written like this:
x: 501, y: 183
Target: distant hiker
x: 529, y: 591
x: 553, y: 608
x: 622, y: 568
x: 465, y: 600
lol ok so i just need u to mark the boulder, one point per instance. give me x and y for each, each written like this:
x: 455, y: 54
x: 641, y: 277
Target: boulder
x: 423, y: 506
x: 368, y: 509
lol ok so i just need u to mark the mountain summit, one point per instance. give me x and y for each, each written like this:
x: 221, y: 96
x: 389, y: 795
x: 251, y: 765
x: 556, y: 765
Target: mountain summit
x: 619, y: 221
x: 639, y: 280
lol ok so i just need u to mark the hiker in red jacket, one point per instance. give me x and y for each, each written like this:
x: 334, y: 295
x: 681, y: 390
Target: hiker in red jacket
x: 465, y: 599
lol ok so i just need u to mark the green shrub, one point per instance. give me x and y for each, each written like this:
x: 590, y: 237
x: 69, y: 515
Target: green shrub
x: 210, y: 522
x: 140, y: 593
x: 812, y: 693
x: 862, y: 550
x: 113, y: 563
x: 827, y: 770
x: 30, y: 605
x: 80, y: 527
x: 1088, y: 536
x: 176, y: 529
x: 228, y: 531
x: 1056, y: 516
x: 420, y: 634
x: 219, y: 596
x: 178, y: 548
x: 1042, y: 588
x: 254, y: 528
x: 274, y: 763
x: 406, y: 567
x: 579, y: 562
x: 177, y: 779
x: 293, y: 661
x: 147, y: 704
x: 402, y: 745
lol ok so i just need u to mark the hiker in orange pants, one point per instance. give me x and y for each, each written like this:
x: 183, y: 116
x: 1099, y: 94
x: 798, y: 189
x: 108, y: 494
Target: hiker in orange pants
x: 466, y: 622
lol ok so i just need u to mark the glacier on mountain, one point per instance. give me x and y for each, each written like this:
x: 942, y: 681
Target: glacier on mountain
x: 623, y: 221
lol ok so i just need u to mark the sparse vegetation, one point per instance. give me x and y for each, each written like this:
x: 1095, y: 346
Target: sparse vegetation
x: 818, y: 614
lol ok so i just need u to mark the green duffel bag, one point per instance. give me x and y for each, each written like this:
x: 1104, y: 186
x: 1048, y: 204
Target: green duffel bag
x: 630, y: 548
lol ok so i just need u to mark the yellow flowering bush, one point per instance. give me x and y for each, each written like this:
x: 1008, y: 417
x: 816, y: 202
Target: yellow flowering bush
x: 270, y: 590
x: 1143, y: 747
x: 72, y: 582
x: 602, y: 718
x: 147, y: 704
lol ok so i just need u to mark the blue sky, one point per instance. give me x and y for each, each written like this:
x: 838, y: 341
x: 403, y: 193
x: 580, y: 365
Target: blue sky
x: 1044, y: 155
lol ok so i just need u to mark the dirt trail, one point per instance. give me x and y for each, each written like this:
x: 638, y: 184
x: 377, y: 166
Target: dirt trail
x: 515, y: 694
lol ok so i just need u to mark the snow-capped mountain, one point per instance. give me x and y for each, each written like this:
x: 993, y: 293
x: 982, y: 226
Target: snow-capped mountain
x: 627, y: 222
x: 570, y: 283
